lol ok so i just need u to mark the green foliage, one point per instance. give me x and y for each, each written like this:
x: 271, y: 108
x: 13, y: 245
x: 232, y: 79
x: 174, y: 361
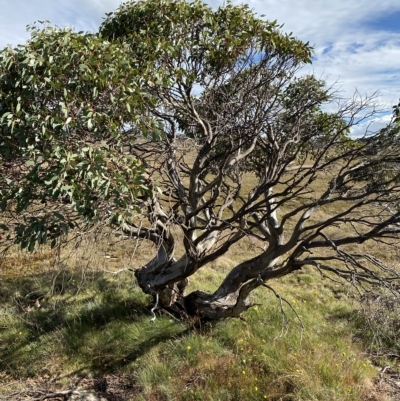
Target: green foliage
x: 199, y: 42
x: 302, y: 127
x: 396, y: 112
x: 71, y: 104
x: 381, y: 155
x: 66, y: 102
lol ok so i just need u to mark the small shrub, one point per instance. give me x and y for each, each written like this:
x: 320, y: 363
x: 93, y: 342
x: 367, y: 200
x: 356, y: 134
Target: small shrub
x: 379, y: 321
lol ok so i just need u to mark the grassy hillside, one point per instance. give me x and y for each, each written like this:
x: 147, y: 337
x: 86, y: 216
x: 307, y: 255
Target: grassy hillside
x: 67, y: 320
x: 75, y: 318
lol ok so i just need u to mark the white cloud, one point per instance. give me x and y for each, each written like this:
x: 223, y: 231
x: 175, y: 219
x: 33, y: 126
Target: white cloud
x: 83, y: 15
x: 370, y: 127
x: 317, y: 20
x: 346, y: 48
x: 373, y: 65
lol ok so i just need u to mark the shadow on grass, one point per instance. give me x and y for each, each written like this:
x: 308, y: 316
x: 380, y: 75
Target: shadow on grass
x: 102, y: 327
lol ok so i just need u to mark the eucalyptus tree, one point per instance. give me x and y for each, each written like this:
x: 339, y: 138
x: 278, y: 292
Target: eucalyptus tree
x: 92, y: 127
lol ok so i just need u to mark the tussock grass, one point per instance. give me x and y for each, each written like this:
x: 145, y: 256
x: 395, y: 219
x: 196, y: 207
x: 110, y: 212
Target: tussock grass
x: 95, y: 323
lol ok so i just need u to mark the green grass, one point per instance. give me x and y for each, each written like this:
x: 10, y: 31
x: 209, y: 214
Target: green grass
x: 68, y: 318
x: 101, y: 325
x: 64, y: 319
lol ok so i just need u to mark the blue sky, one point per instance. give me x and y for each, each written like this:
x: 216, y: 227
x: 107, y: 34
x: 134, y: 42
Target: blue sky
x: 357, y: 42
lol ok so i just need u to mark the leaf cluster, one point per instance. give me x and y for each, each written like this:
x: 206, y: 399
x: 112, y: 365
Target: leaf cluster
x: 66, y: 102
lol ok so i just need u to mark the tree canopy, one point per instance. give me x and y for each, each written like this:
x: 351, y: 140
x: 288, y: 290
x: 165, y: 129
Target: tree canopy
x: 93, y: 128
